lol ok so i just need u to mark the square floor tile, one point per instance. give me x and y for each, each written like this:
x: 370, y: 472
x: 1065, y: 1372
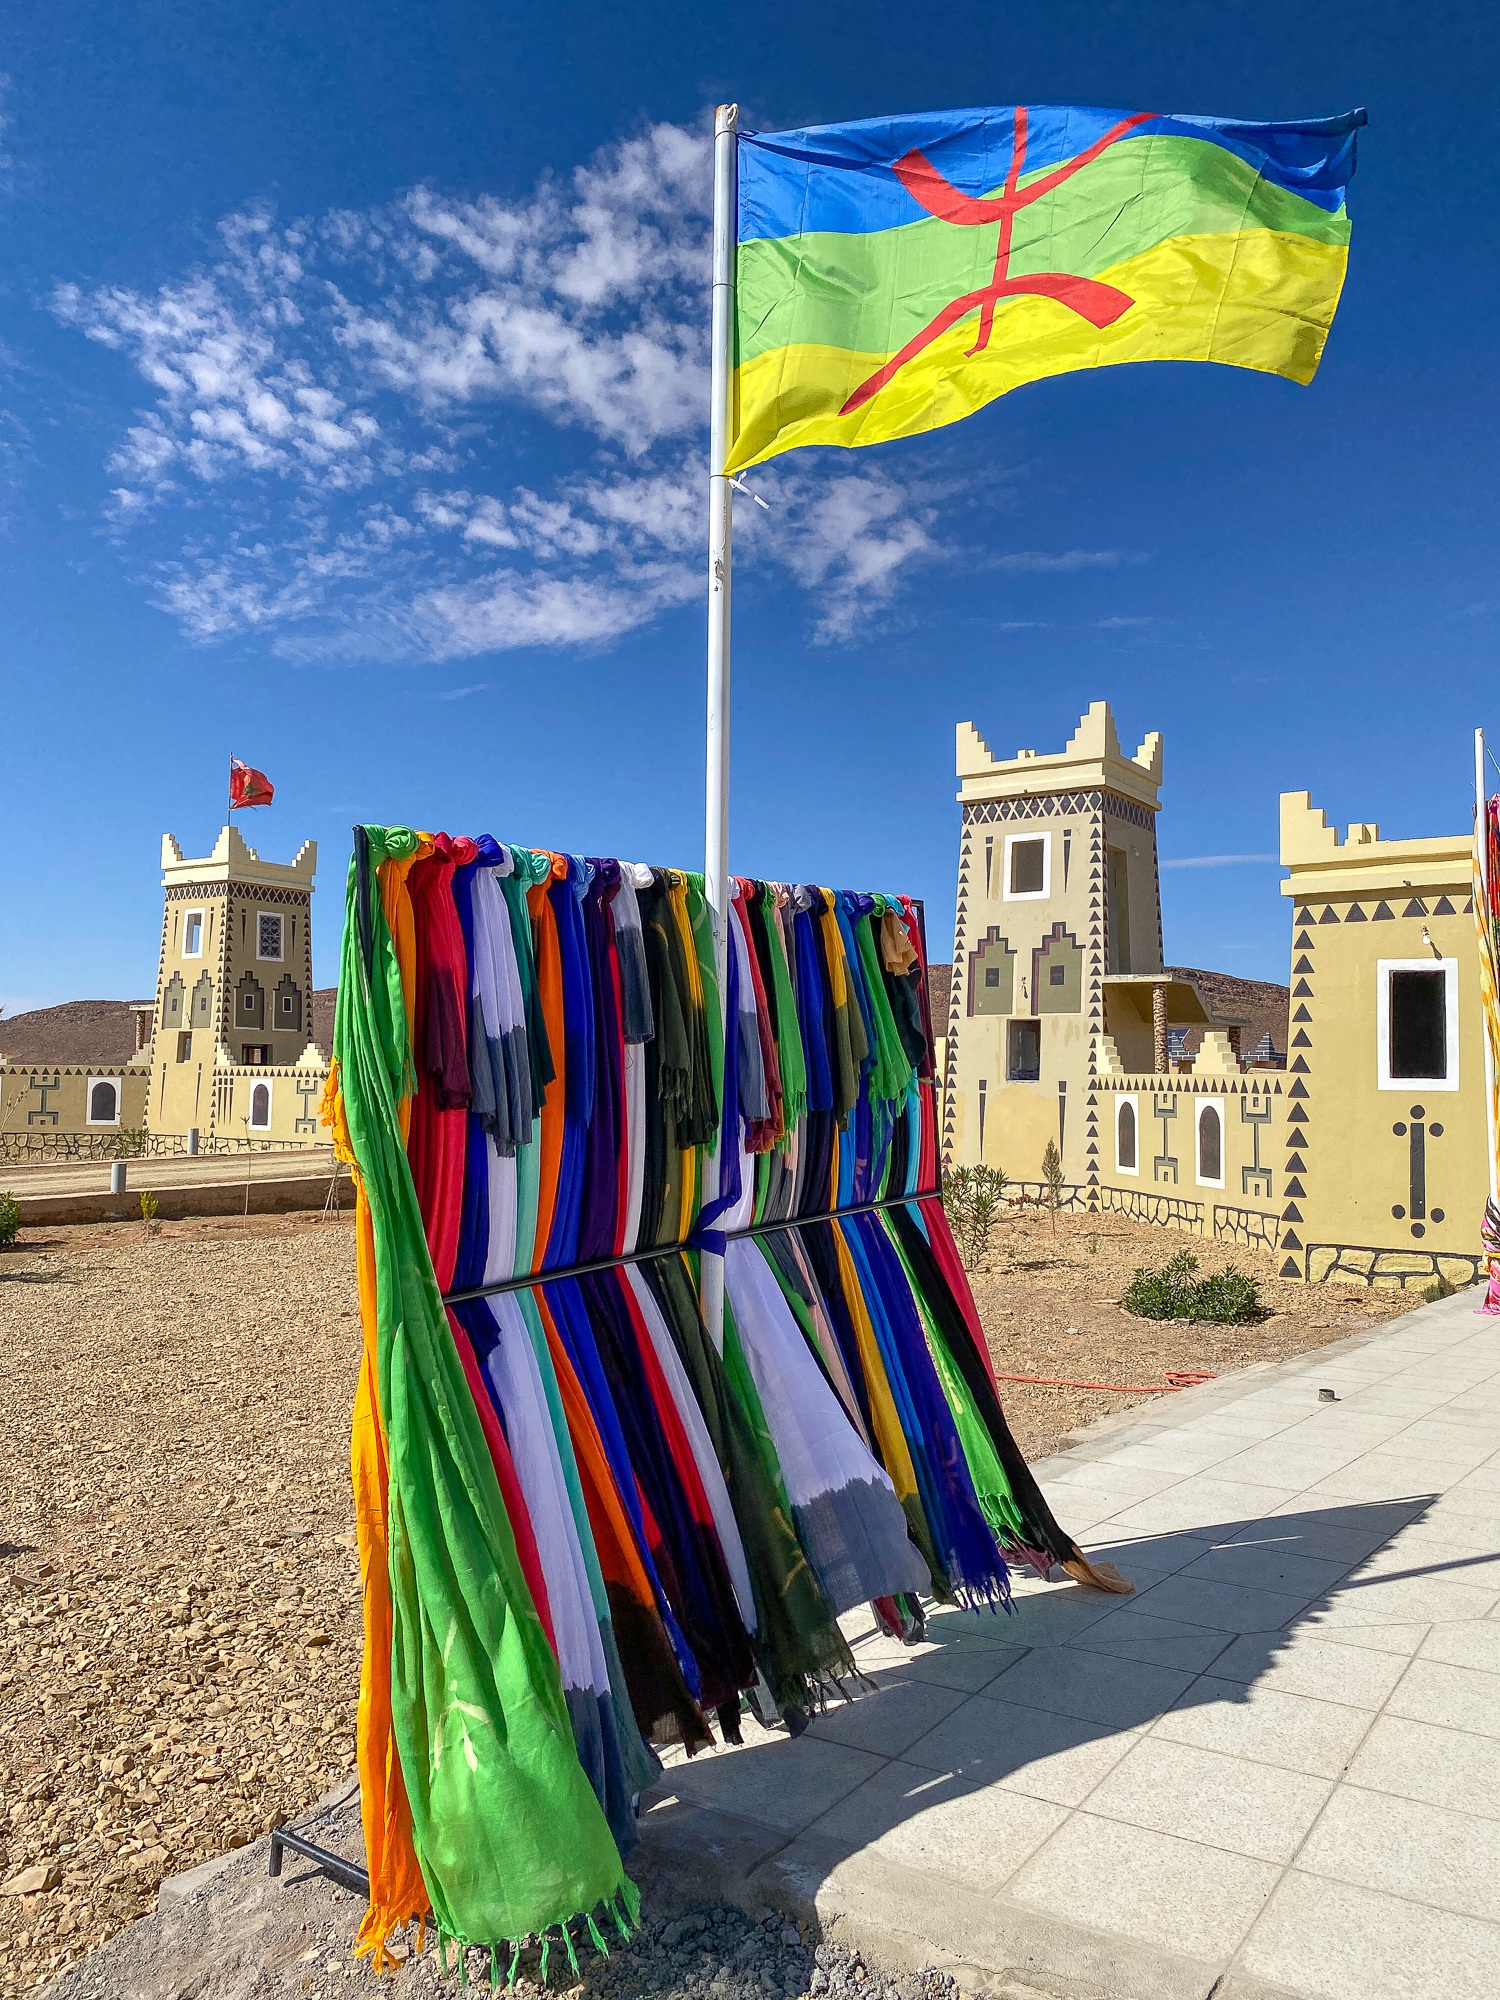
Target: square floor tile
x: 1341, y: 1943
x: 1174, y: 1894
x: 1114, y: 1693
x: 1054, y: 1757
x: 1211, y: 1507
x: 943, y: 1826
x: 1432, y: 1599
x: 885, y: 1718
x: 1405, y: 1847
x: 780, y: 1783
x: 1268, y: 1566
x: 1454, y: 1697
x: 1222, y: 1607
x: 1417, y: 1760
x: 1475, y: 1643
x: 1228, y: 1802
x: 1295, y: 1662
x: 1241, y: 1720
x: 1128, y: 1634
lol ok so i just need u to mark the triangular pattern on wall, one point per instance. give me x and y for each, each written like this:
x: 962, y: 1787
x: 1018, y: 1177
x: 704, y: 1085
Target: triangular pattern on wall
x: 1443, y: 908
x: 1330, y: 914
x: 1384, y: 914
x: 1415, y: 908
x: 1299, y: 1067
x: 1297, y: 1116
x: 1306, y: 917
x: 1304, y: 964
x: 1291, y: 1242
x: 1298, y: 1089
x: 1355, y: 915
x: 1303, y: 941
x: 1302, y: 991
x: 1302, y: 1015
x: 1294, y: 1186
x: 1302, y: 1039
x: 1291, y: 1268
x: 1295, y: 1164
x: 1291, y: 1213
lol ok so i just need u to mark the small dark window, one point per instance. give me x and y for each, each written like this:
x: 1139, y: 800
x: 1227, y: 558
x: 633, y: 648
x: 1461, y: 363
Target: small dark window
x: 287, y: 1003
x: 1419, y: 1026
x: 185, y: 1047
x: 1026, y: 867
x: 1056, y: 974
x: 1125, y: 1137
x: 268, y: 936
x: 104, y: 1105
x: 1210, y: 1145
x: 260, y: 1107
x: 992, y: 975
x: 1025, y: 1051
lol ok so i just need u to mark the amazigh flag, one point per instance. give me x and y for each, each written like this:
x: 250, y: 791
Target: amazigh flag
x: 899, y: 273
x: 248, y: 787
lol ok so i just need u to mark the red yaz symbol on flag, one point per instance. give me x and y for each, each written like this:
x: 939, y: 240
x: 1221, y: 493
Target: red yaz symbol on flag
x: 1101, y: 305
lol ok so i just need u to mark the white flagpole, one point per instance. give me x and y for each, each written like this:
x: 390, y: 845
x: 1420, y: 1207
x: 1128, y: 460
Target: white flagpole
x: 1482, y: 852
x: 720, y: 547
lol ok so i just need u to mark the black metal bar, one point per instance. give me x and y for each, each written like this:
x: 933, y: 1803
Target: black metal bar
x: 348, y: 1874
x: 532, y: 1279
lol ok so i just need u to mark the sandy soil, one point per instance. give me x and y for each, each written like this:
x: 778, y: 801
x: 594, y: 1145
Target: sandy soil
x: 179, y: 1664
x: 180, y: 1657
x: 1048, y: 1305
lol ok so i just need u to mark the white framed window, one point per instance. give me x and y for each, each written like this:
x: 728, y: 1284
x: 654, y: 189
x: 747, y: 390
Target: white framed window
x: 102, y: 1106
x: 260, y: 1107
x: 1127, y: 1135
x: 1417, y: 1023
x: 1209, y: 1128
x: 1027, y: 867
x: 268, y: 925
x: 192, y: 934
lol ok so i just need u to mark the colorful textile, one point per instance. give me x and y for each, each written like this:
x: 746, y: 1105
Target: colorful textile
x: 898, y: 273
x: 477, y: 1710
x: 586, y: 1526
x: 1487, y: 922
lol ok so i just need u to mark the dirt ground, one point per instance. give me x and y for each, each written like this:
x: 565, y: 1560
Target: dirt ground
x: 179, y: 1664
x: 1049, y: 1308
x: 180, y: 1594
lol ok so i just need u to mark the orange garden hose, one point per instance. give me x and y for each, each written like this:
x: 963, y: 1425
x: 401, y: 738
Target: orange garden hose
x: 1177, y: 1378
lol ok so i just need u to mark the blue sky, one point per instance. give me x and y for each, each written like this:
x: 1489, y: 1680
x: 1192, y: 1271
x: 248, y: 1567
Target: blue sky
x: 352, y: 399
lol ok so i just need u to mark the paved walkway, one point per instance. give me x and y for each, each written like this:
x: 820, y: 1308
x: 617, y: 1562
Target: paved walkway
x: 1273, y: 1770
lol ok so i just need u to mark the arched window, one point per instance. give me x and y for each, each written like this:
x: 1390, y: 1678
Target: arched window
x: 260, y: 1108
x: 1125, y: 1160
x: 104, y: 1101
x: 1211, y: 1144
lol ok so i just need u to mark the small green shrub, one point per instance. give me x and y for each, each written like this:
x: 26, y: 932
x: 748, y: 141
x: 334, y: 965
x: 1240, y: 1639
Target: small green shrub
x: 10, y: 1220
x: 149, y: 1207
x: 1438, y: 1289
x: 130, y: 1142
x: 1175, y: 1292
x: 972, y: 1200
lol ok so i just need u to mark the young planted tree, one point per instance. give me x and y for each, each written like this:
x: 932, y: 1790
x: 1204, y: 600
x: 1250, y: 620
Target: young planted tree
x: 972, y: 1200
x: 1052, y: 1175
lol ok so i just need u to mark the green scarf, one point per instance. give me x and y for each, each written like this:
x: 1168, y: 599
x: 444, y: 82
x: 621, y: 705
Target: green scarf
x: 508, y: 1832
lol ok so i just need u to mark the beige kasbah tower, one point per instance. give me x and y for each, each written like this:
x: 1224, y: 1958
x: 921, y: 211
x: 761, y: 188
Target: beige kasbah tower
x: 232, y: 1054
x: 1058, y: 892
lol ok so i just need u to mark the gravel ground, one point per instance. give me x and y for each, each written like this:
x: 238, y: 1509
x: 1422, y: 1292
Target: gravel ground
x: 1048, y: 1302
x: 180, y: 1657
x: 179, y: 1665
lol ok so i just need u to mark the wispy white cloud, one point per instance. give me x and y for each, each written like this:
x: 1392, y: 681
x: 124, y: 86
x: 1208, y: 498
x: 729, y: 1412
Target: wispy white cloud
x: 1037, y: 562
x: 1216, y: 860
x: 329, y: 405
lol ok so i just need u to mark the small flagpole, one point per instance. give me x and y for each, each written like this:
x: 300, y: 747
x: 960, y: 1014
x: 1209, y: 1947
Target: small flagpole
x: 1482, y: 855
x: 720, y: 551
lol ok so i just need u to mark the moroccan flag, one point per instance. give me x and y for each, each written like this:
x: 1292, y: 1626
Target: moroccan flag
x: 899, y: 273
x: 248, y: 787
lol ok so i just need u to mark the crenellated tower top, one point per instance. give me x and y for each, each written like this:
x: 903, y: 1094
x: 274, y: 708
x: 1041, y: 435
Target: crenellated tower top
x: 1093, y: 758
